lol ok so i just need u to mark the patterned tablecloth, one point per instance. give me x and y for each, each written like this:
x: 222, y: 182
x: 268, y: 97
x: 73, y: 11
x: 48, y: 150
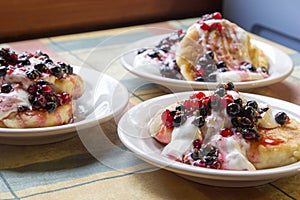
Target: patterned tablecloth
x: 69, y: 170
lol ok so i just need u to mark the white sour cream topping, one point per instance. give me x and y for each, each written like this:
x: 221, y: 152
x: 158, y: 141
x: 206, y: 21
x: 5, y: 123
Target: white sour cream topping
x: 18, y: 76
x: 233, y: 150
x: 214, y: 123
x: 147, y: 64
x: 152, y: 65
x: 182, y: 138
x: 10, y: 101
x: 268, y: 119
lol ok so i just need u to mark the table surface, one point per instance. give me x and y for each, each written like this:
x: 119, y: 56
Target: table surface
x: 67, y: 170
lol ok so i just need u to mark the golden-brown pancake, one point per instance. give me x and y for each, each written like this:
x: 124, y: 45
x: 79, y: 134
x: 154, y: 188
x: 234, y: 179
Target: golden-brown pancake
x: 229, y: 43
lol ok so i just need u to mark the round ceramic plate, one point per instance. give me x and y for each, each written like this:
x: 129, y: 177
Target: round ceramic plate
x: 103, y: 99
x: 133, y: 132
x: 281, y: 66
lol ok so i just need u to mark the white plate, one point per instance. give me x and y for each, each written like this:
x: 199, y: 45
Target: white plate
x: 103, y: 99
x: 281, y: 66
x: 133, y: 132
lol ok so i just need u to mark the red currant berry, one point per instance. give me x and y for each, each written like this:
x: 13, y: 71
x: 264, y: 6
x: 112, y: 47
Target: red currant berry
x: 46, y: 89
x: 66, y: 98
x: 226, y: 132
x: 200, y: 72
x: 180, y: 31
x: 14, y: 57
x: 197, y: 143
x: 206, y: 101
x: 32, y: 89
x: 204, y: 26
x: 227, y: 99
x: 217, y: 15
x: 167, y: 118
x: 200, y: 95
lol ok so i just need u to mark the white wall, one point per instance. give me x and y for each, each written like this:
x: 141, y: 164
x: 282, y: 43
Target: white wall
x: 278, y: 20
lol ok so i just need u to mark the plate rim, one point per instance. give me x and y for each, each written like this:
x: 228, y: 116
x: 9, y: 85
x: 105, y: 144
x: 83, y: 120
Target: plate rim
x: 71, y: 127
x: 214, y: 174
x: 203, y: 85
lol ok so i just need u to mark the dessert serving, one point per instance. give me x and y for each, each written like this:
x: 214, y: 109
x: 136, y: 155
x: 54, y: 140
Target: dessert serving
x: 36, y: 91
x: 224, y: 130
x: 211, y: 50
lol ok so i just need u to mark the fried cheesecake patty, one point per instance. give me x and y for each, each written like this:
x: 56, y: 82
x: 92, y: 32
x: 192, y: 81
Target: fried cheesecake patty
x: 40, y: 118
x: 36, y: 91
x: 211, y: 50
x: 223, y: 130
x: 229, y: 43
x: 278, y: 147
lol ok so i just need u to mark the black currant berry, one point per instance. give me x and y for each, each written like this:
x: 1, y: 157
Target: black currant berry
x: 180, y: 107
x: 22, y: 108
x: 250, y: 134
x: 233, y: 109
x: 40, y: 67
x: 141, y: 50
x: 51, y: 106
x: 179, y: 120
x: 281, y: 118
x: 209, y: 55
x: 3, y: 70
x: 221, y: 64
x: 6, y: 88
x: 57, y: 71
x: 199, y: 121
x: 32, y: 74
x: 249, y: 111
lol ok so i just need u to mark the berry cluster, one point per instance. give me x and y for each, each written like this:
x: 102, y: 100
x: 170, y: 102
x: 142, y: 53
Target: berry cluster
x: 10, y: 57
x: 10, y: 60
x: 245, y: 66
x: 169, y: 67
x: 198, y: 105
x: 203, y: 156
x: 207, y: 68
x: 41, y: 96
x: 214, y: 26
x: 6, y: 88
x: 174, y: 118
x: 58, y: 70
x: 164, y: 45
x: 244, y: 118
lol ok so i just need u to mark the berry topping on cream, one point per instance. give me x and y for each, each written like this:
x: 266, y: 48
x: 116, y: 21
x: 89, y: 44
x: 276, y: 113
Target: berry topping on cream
x: 36, y: 84
x: 216, y: 130
x: 11, y: 101
x: 211, y: 50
